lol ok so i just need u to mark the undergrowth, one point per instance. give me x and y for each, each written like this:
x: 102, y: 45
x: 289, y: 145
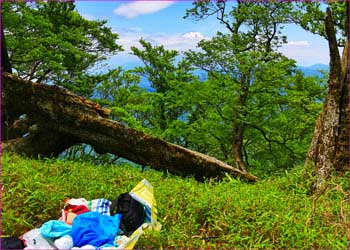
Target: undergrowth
x: 276, y: 212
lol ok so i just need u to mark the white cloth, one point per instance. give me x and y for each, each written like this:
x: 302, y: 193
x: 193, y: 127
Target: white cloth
x: 77, y: 202
x: 64, y: 243
x: 35, y: 241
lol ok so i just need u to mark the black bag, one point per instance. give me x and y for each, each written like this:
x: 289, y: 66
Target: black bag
x: 133, y: 213
x: 11, y: 243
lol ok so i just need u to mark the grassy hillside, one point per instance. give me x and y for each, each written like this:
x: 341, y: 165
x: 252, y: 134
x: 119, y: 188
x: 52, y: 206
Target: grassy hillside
x: 273, y: 213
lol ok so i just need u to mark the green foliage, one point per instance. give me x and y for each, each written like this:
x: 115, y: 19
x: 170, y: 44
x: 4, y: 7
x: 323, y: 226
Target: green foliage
x: 256, y: 25
x: 51, y: 42
x: 118, y: 90
x: 160, y: 68
x: 165, y: 112
x: 254, y: 104
x: 255, y: 99
x: 311, y: 17
x: 273, y: 213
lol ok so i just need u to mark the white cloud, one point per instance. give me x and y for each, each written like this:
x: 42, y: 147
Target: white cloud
x: 307, y: 55
x: 304, y: 52
x: 298, y: 43
x: 180, y: 42
x: 193, y: 35
x: 134, y: 9
x: 128, y: 38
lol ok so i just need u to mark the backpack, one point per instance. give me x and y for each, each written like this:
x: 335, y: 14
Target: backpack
x: 133, y: 213
x: 11, y: 243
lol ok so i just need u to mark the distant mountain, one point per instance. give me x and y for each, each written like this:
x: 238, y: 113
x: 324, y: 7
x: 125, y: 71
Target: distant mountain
x: 314, y: 70
x: 319, y: 66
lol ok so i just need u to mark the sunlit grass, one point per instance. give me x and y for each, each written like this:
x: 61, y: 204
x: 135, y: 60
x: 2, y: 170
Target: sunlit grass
x: 273, y: 213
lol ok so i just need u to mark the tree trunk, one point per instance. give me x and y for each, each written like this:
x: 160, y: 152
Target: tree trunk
x: 238, y: 147
x: 342, y: 143
x: 40, y: 141
x: 5, y: 61
x: 7, y: 119
x: 238, y: 125
x: 63, y: 119
x: 329, y: 146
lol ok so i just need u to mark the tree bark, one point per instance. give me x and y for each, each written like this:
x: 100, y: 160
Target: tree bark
x: 41, y: 141
x: 7, y: 119
x: 5, y: 61
x: 346, y: 73
x: 63, y: 119
x: 341, y: 161
x: 329, y: 145
x: 238, y: 126
x: 237, y: 147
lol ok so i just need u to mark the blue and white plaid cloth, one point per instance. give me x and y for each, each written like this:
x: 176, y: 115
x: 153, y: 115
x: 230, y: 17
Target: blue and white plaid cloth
x: 99, y: 205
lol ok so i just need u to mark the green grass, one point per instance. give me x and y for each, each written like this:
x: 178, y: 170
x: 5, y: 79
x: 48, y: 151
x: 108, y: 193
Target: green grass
x: 274, y: 213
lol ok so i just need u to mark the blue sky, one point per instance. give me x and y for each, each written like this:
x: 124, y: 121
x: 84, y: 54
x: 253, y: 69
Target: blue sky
x: 161, y: 22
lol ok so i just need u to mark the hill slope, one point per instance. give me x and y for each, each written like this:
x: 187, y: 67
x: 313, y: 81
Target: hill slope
x: 314, y: 70
x: 273, y: 213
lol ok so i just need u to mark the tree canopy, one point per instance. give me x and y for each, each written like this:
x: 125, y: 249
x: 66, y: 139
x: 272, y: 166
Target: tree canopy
x: 51, y: 42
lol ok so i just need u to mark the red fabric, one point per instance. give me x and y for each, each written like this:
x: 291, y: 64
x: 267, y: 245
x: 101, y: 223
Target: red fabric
x: 76, y: 209
x: 71, y: 211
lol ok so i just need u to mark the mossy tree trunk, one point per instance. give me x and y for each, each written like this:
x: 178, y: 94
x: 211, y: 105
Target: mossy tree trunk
x: 58, y: 119
x: 330, y: 144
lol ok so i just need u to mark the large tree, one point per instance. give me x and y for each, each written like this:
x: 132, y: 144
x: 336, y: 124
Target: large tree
x: 168, y: 75
x: 329, y: 149
x: 260, y: 98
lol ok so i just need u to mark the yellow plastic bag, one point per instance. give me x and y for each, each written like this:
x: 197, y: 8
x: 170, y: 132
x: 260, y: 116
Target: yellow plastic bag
x: 143, y: 193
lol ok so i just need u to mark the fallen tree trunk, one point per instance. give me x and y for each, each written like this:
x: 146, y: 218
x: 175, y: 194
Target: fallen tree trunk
x: 62, y: 119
